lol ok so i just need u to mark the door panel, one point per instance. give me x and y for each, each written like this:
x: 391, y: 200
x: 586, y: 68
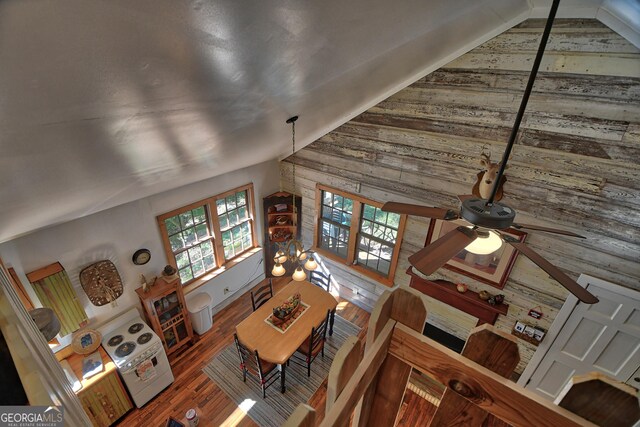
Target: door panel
x: 585, y: 333
x: 634, y: 380
x: 553, y: 380
x: 601, y: 337
x: 617, y: 353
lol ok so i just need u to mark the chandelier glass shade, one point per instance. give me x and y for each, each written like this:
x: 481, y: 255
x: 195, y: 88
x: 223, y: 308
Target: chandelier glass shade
x: 292, y: 250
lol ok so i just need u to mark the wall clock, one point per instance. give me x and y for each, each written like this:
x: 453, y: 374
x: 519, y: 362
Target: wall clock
x: 141, y: 256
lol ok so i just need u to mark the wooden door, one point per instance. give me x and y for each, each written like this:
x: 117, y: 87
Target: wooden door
x: 602, y: 337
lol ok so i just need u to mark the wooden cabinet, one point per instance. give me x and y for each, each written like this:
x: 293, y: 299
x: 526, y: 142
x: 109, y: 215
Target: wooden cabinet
x: 102, y: 396
x: 167, y: 314
x: 281, y: 222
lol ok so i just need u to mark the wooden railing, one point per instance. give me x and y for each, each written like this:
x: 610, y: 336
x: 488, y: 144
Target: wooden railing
x: 372, y: 388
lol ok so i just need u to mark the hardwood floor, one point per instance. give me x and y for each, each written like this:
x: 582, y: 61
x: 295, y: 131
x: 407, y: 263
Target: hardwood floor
x: 192, y: 388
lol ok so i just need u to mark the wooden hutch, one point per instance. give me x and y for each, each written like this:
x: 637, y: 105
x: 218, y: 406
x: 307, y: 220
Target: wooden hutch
x: 282, y: 218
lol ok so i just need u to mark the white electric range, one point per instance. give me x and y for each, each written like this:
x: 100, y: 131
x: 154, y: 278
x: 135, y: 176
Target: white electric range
x: 138, y: 354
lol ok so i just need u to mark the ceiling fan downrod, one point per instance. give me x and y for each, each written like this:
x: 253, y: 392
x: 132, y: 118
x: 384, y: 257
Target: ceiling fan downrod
x: 525, y: 99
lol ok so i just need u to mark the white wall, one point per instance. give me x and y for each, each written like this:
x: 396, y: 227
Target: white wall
x: 115, y: 234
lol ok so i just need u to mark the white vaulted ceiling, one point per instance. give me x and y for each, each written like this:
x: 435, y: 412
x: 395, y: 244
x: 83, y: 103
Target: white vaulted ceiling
x: 104, y: 102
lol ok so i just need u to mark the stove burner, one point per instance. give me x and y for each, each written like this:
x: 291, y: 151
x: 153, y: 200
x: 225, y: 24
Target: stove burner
x: 144, y: 338
x: 135, y: 328
x: 125, y: 349
x: 115, y: 340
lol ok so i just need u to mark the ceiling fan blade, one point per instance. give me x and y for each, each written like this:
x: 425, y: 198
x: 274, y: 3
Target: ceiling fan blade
x: 418, y: 210
x: 463, y: 197
x: 547, y: 229
x: 433, y: 256
x: 581, y: 293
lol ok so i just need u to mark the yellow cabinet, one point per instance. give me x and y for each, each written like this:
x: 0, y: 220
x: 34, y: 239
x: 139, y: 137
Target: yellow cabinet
x: 103, y: 396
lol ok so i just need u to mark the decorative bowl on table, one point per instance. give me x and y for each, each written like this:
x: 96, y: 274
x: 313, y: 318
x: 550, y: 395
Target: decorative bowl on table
x: 287, y: 309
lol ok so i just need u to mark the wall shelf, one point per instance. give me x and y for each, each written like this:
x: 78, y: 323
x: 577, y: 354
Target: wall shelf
x: 279, y: 225
x: 469, y: 301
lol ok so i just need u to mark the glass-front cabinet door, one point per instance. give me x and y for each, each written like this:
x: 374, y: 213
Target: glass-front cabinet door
x: 166, y: 313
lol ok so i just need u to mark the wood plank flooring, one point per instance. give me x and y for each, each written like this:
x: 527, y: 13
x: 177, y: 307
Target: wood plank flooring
x: 193, y: 389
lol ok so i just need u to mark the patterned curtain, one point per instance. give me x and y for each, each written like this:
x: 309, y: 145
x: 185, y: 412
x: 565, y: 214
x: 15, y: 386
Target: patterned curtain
x: 54, y: 290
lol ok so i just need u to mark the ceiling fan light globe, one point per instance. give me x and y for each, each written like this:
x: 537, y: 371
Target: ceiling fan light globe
x: 485, y: 243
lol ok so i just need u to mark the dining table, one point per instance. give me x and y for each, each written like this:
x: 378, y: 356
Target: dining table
x: 278, y: 346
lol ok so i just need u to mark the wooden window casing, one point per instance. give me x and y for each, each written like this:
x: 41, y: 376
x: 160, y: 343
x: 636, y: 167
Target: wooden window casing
x: 354, y: 233
x: 214, y: 233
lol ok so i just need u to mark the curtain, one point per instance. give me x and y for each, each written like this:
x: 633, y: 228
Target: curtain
x: 54, y: 290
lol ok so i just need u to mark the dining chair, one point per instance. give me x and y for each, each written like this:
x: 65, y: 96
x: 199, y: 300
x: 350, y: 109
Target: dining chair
x: 265, y: 373
x: 313, y: 345
x: 318, y: 278
x: 261, y: 295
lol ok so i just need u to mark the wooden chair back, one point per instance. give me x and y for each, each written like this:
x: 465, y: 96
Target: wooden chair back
x: 318, y: 278
x: 314, y: 346
x: 249, y: 360
x: 261, y: 295
x: 318, y: 336
x: 251, y: 364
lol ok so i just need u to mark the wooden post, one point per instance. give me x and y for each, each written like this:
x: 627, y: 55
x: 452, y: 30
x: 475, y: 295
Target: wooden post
x: 382, y: 400
x: 488, y: 347
x: 343, y: 366
x: 499, y: 396
x: 601, y: 400
x: 361, y: 379
x: 303, y: 416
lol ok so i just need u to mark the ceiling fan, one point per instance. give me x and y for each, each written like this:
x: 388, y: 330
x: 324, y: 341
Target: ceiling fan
x: 489, y: 216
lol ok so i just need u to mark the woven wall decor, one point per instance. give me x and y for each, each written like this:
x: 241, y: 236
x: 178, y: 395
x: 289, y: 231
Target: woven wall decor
x: 101, y: 282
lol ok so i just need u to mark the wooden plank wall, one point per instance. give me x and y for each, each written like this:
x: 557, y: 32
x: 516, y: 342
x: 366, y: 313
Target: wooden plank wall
x: 576, y: 164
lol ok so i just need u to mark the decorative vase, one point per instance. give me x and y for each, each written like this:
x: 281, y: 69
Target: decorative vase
x: 484, y: 295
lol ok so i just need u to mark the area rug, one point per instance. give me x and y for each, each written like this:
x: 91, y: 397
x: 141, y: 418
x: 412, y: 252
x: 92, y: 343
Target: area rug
x: 273, y: 410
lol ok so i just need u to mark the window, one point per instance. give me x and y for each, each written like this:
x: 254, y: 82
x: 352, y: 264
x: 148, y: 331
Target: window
x: 205, y: 235
x: 235, y: 224
x: 356, y: 231
x: 377, y: 238
x: 336, y: 223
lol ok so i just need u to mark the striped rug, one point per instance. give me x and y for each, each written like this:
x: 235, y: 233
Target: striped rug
x: 224, y: 370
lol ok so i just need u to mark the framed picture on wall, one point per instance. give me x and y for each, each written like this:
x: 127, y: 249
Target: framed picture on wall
x: 492, y: 269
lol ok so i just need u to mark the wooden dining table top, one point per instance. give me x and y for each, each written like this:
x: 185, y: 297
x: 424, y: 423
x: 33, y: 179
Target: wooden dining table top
x: 273, y: 345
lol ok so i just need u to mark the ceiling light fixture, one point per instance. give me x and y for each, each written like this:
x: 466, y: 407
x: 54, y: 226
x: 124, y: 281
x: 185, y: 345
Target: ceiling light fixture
x: 487, y: 242
x: 293, y: 250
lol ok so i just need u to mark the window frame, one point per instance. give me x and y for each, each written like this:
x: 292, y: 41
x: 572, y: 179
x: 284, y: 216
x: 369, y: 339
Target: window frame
x: 213, y: 222
x: 354, y: 233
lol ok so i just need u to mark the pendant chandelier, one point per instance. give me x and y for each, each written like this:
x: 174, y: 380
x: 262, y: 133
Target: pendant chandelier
x: 293, y: 250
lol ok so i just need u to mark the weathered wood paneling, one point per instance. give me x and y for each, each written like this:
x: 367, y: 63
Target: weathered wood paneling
x: 576, y: 164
